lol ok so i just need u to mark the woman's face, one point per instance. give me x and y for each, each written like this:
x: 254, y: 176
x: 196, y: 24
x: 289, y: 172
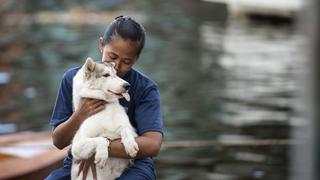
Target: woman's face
x: 124, y: 53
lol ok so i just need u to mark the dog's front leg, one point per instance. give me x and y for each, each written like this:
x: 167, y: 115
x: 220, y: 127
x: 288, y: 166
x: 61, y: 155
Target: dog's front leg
x: 102, y: 153
x: 83, y: 148
x: 127, y: 139
x: 87, y: 147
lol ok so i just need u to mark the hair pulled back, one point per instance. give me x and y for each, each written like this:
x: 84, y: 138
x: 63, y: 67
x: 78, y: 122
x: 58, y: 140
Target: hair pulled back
x: 126, y: 28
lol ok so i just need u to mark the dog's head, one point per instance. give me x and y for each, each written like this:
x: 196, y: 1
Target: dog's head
x: 103, y: 77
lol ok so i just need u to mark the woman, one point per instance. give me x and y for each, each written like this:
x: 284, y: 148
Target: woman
x: 122, y: 44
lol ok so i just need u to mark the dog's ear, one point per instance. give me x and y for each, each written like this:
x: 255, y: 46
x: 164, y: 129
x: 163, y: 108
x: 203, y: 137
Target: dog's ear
x: 89, y: 67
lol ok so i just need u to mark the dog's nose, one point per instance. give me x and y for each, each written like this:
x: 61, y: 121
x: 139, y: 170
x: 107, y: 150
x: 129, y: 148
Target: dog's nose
x: 126, y: 86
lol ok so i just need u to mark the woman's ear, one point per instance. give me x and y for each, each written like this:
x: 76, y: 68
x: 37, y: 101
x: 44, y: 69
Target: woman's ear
x: 101, y: 44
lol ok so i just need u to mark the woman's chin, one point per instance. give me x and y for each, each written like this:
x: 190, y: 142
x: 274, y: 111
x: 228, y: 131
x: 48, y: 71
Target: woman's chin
x: 120, y: 75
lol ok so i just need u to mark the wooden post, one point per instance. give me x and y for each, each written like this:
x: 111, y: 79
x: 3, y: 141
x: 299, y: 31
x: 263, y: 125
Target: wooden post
x: 305, y: 162
x: 316, y: 95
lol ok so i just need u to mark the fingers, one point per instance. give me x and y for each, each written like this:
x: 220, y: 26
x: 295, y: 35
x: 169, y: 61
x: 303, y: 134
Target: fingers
x: 89, y: 107
x: 81, y: 167
x: 85, y: 170
x: 98, y: 104
x: 94, y: 171
x: 97, y: 109
x: 91, y: 102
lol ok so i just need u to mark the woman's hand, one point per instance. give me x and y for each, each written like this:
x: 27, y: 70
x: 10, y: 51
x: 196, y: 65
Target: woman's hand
x: 84, y: 167
x: 89, y: 107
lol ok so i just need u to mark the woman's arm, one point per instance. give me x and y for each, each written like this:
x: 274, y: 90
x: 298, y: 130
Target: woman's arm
x: 149, y: 146
x: 63, y: 134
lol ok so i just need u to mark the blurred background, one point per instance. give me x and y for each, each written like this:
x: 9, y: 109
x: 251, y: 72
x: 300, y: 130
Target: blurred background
x: 227, y: 73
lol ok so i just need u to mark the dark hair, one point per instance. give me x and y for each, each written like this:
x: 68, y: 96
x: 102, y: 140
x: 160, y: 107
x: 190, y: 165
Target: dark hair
x: 126, y: 28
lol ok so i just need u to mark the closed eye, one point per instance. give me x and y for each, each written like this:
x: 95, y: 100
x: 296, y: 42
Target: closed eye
x: 106, y: 75
x: 127, y: 62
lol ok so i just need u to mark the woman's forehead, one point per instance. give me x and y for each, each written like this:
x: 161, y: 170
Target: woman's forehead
x: 124, y: 48
x: 107, y: 67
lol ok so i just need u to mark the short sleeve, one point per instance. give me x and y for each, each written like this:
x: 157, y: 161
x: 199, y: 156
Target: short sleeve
x: 147, y: 113
x: 63, y: 105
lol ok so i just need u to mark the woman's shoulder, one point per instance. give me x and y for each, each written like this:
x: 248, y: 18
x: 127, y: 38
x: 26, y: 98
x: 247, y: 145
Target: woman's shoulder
x: 70, y: 73
x: 67, y: 77
x: 141, y: 85
x: 141, y: 80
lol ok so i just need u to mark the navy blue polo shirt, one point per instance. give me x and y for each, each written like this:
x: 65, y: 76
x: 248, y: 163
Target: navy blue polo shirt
x: 143, y: 111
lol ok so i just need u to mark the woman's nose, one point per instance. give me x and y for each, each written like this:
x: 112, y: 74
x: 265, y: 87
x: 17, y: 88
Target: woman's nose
x: 117, y: 65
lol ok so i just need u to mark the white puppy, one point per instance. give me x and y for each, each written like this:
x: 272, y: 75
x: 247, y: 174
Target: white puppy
x: 99, y: 81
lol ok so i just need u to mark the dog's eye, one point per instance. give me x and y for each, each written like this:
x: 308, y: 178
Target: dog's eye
x: 106, y: 75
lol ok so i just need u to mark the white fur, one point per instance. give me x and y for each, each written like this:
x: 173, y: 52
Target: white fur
x: 112, y: 122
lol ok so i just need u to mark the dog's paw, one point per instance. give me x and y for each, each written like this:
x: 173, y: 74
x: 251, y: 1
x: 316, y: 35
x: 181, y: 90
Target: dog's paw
x: 131, y: 146
x: 101, y: 158
x: 102, y: 153
x: 84, y: 148
x: 82, y: 153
